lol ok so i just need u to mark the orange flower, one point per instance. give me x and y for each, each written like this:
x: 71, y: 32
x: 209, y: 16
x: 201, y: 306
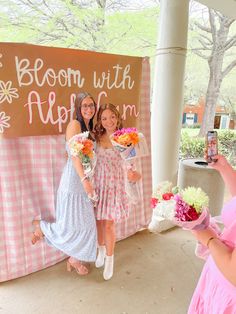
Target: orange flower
x: 134, y: 138
x: 88, y: 148
x: 127, y: 139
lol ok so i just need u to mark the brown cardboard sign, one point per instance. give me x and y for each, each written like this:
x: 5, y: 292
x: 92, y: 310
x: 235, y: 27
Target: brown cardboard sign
x: 38, y: 86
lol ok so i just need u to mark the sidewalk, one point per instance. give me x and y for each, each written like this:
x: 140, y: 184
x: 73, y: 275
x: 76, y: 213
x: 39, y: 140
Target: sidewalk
x: 154, y: 274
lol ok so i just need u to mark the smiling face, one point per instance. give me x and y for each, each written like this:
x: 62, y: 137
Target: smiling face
x: 109, y: 121
x: 87, y: 108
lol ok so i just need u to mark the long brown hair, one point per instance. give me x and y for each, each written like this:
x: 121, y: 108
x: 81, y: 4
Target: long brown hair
x: 99, y: 129
x: 78, y: 102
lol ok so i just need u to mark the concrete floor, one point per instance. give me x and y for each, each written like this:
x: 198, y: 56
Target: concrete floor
x: 154, y: 274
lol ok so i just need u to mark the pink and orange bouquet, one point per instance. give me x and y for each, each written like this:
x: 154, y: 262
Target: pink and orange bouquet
x: 126, y: 137
x: 82, y: 147
x: 130, y: 143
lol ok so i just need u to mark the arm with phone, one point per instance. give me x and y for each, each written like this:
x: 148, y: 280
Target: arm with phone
x: 224, y: 256
x: 211, y: 146
x: 227, y: 172
x: 219, y: 273
x: 219, y: 162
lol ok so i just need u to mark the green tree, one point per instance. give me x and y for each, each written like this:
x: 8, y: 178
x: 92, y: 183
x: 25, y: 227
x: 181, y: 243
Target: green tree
x: 90, y: 25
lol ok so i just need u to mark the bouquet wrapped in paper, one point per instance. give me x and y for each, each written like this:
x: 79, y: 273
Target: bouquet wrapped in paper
x: 132, y: 145
x: 187, y: 208
x: 82, y: 147
x: 191, y: 209
x: 163, y: 204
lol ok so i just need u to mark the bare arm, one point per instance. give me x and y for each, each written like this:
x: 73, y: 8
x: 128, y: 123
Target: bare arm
x: 227, y: 172
x: 224, y: 256
x: 74, y: 128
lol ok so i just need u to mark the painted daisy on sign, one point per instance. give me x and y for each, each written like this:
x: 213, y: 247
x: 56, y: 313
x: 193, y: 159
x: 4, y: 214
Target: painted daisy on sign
x: 3, y: 121
x: 7, y: 92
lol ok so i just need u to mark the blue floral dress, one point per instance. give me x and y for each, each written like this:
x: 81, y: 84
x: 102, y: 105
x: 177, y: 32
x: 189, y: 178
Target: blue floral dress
x: 74, y: 230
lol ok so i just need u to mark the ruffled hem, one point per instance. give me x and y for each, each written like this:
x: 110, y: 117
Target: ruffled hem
x: 213, y: 294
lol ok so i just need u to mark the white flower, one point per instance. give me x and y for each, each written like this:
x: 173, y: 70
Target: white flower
x: 7, y: 92
x: 3, y: 121
x: 75, y: 148
x: 84, y: 134
x: 79, y: 137
x: 165, y: 209
x: 162, y: 188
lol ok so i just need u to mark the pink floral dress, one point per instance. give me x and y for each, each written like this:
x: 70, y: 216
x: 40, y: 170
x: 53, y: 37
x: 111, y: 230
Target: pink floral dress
x: 214, y: 294
x: 109, y: 182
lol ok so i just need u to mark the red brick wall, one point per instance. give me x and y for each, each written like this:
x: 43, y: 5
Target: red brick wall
x: 199, y: 109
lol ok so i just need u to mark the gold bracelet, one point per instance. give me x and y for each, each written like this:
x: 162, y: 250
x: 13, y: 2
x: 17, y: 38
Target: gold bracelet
x: 209, y: 240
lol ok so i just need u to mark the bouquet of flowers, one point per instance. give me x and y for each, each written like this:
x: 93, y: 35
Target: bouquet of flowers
x: 187, y: 208
x: 82, y: 147
x: 191, y: 209
x: 163, y: 204
x: 132, y: 145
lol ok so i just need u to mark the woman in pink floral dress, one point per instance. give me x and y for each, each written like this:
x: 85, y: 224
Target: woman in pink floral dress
x: 216, y: 289
x: 109, y: 182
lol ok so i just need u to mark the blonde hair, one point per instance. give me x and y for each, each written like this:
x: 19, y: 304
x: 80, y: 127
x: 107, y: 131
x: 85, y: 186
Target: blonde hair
x: 99, y: 129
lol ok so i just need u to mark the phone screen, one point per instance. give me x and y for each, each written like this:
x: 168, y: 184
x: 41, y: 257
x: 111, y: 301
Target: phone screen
x: 212, y: 145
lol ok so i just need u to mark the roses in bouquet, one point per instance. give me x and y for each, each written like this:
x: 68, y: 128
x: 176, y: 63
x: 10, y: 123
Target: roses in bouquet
x: 191, y: 209
x: 187, y: 208
x: 132, y: 145
x: 82, y: 147
x: 163, y: 192
x: 162, y: 203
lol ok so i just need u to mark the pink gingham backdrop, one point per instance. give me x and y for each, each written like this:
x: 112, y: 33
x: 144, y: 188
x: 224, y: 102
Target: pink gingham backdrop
x: 30, y: 170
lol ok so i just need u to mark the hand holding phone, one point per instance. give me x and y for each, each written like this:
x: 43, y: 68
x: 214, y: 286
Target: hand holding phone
x: 211, y: 146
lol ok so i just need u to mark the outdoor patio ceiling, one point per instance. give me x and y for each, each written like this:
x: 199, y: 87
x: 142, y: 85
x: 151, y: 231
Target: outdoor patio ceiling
x: 226, y: 7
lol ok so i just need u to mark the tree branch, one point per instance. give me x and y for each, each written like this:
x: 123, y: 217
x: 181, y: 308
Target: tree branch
x: 200, y: 54
x: 202, y: 27
x: 230, y: 43
x: 212, y: 23
x: 229, y: 68
x: 203, y: 43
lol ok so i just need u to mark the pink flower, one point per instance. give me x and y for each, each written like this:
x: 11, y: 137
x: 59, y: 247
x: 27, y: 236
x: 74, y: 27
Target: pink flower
x: 154, y: 202
x: 183, y: 211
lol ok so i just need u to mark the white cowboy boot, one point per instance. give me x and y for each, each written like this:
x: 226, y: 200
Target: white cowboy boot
x: 101, y: 256
x: 108, y: 269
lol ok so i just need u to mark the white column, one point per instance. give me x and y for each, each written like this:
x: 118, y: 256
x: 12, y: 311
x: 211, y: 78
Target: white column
x: 167, y: 102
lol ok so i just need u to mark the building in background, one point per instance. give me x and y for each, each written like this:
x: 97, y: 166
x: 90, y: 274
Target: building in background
x: 193, y: 116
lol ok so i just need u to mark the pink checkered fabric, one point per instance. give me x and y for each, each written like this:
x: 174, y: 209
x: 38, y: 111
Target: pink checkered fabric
x: 30, y: 171
x: 141, y: 214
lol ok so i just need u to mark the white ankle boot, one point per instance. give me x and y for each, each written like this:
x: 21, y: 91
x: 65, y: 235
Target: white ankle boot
x: 108, y: 269
x: 101, y: 256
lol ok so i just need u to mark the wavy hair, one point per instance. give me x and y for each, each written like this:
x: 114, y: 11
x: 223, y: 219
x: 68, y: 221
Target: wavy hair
x: 99, y: 129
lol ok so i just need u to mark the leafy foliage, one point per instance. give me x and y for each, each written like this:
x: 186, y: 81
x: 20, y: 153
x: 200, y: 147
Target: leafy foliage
x: 194, y: 146
x: 88, y: 25
x: 191, y: 147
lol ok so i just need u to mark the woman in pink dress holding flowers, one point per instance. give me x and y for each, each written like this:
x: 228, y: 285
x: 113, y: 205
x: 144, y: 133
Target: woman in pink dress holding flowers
x: 216, y: 290
x: 109, y: 182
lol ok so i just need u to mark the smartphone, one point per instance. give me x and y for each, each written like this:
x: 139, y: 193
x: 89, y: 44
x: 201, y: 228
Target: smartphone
x: 211, y: 145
